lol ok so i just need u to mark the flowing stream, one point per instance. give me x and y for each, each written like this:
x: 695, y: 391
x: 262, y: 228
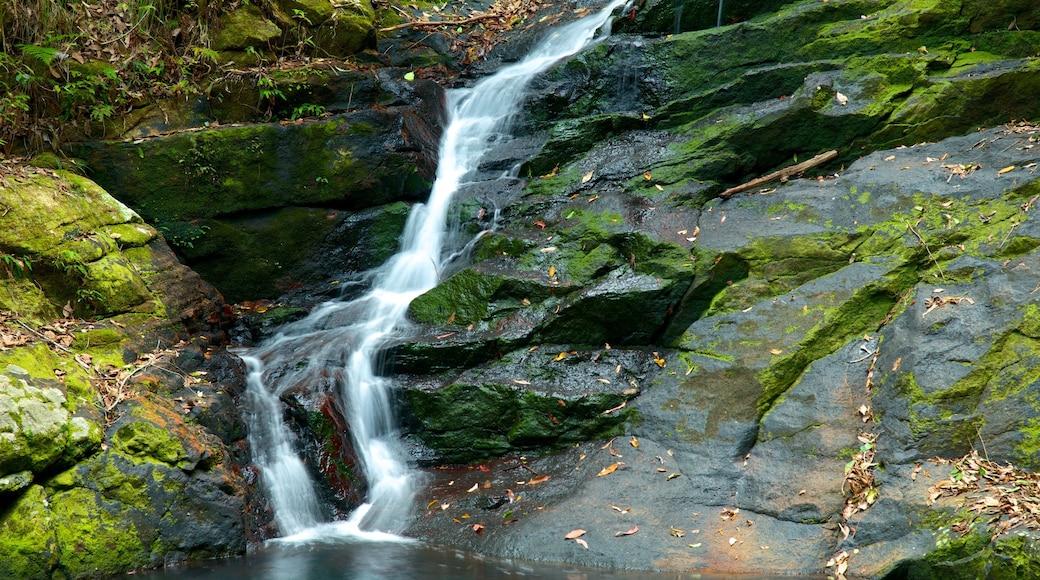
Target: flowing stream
x: 338, y: 346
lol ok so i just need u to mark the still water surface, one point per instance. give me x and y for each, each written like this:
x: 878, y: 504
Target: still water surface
x: 347, y: 559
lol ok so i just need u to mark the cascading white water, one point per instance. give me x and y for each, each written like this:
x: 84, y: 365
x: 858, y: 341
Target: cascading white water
x: 338, y: 343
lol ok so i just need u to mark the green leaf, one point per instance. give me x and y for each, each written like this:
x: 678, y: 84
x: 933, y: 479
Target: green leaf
x: 409, y: 76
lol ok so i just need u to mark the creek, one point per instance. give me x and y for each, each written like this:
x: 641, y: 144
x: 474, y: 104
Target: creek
x: 338, y: 348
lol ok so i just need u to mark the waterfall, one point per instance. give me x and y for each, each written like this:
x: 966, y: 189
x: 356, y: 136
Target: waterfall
x: 336, y: 347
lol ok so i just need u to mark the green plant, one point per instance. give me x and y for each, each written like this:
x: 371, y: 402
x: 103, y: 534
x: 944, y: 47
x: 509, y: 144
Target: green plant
x: 308, y: 110
x: 183, y: 234
x: 269, y: 92
x: 71, y: 263
x: 15, y: 267
x: 301, y: 16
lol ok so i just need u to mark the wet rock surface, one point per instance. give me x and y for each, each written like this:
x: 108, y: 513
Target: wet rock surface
x: 846, y: 312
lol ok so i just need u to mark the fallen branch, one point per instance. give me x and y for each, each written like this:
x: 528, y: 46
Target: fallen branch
x: 435, y: 23
x: 781, y: 174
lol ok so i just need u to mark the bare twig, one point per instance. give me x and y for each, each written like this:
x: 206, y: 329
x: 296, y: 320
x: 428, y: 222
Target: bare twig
x: 781, y: 174
x: 37, y: 333
x: 927, y: 249
x: 436, y: 23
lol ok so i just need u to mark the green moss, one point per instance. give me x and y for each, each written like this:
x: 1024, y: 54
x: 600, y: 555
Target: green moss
x: 974, y: 555
x: 144, y: 441
x: 97, y: 337
x: 860, y: 314
x: 466, y: 423
x: 463, y: 299
x: 27, y: 537
x: 91, y: 539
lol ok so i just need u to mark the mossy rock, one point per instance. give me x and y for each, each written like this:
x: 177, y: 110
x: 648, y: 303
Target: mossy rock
x: 37, y: 429
x: 245, y: 27
x: 68, y: 234
x: 463, y: 299
x: 467, y: 423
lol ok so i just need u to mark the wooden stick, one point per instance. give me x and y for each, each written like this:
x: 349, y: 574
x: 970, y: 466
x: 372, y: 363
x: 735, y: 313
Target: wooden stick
x: 423, y: 23
x: 782, y: 174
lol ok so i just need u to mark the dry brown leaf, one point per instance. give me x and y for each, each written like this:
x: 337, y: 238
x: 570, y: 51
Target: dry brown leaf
x: 627, y: 533
x: 587, y: 177
x: 538, y: 479
x: 574, y: 534
x: 609, y: 469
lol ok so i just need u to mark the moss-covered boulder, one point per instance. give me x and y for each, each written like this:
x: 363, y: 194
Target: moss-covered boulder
x: 738, y: 100
x: 272, y: 193
x: 245, y: 28
x: 39, y: 430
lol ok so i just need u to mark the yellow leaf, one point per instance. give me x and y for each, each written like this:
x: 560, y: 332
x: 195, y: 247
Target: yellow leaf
x: 587, y: 177
x: 608, y: 470
x: 647, y: 176
x: 552, y: 271
x: 672, y: 476
x: 659, y: 361
x: 431, y: 504
x: 1006, y: 169
x: 560, y: 356
x: 574, y: 534
x: 775, y: 351
x: 633, y: 441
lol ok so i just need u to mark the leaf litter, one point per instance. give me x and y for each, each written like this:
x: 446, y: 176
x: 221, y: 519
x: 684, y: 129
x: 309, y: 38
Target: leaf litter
x: 1006, y: 496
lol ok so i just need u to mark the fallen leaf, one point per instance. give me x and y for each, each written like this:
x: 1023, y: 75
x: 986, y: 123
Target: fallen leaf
x: 1006, y: 169
x: 608, y: 470
x: 521, y: 382
x: 560, y: 356
x: 732, y: 541
x: 775, y: 351
x: 697, y: 545
x: 473, y: 489
x: 672, y: 476
x: 548, y: 250
x: 587, y: 177
x: 478, y: 528
x: 431, y: 504
x: 582, y: 542
x: 620, y: 510
x: 647, y: 176
x: 538, y: 479
x: 574, y: 534
x: 628, y: 533
x: 633, y: 441
x: 552, y: 271
x: 842, y: 99
x: 676, y: 532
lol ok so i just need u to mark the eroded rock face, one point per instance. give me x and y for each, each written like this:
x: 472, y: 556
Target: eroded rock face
x: 882, y: 310
x: 275, y: 195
